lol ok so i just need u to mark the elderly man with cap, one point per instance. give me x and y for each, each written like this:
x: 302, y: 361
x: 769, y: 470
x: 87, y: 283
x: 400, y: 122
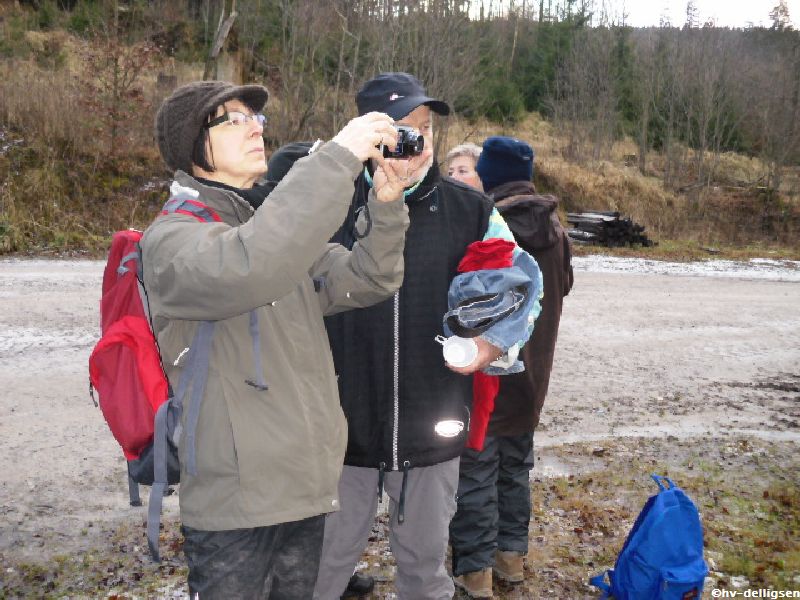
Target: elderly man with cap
x: 260, y: 468
x: 407, y: 410
x: 489, y: 533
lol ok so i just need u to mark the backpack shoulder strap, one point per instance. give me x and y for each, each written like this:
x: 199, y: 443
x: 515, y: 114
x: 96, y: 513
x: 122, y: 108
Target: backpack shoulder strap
x: 169, y: 414
x: 184, y: 200
x: 660, y: 479
x: 192, y: 208
x: 133, y: 490
x: 598, y: 581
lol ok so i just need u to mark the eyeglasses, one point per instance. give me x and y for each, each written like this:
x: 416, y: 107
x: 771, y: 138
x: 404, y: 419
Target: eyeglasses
x: 237, y: 119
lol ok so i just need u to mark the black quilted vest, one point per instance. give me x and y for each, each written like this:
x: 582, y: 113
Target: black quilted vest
x: 389, y: 349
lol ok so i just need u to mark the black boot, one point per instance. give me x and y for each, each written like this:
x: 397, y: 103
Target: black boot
x: 358, y: 586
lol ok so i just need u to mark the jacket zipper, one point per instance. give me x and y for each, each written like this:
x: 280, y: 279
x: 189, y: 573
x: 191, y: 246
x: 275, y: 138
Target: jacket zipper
x: 396, y: 424
x: 395, y: 464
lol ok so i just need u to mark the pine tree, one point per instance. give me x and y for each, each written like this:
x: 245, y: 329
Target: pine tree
x: 780, y: 17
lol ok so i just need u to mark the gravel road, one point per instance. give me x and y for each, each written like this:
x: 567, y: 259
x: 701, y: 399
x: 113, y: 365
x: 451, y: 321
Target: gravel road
x: 639, y: 354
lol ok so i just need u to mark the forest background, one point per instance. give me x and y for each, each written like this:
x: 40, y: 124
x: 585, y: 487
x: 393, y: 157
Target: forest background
x: 690, y: 129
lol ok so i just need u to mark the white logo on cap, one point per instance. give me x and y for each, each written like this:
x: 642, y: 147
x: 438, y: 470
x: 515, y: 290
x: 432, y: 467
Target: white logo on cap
x: 395, y: 96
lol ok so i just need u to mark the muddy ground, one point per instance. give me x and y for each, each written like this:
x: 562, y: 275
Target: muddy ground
x: 695, y: 375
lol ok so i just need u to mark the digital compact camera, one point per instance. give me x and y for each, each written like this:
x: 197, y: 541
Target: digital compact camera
x: 409, y: 143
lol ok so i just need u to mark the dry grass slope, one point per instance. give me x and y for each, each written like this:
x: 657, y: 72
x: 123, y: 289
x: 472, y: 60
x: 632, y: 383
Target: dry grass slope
x: 67, y: 188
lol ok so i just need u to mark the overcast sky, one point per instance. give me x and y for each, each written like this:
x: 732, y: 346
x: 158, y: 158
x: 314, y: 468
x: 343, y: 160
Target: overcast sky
x: 726, y: 13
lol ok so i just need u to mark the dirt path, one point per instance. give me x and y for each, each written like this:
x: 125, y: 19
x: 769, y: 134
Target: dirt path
x: 639, y: 355
x: 651, y: 355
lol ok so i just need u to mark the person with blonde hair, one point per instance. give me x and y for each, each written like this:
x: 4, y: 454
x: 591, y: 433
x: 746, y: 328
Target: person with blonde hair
x: 489, y: 532
x: 461, y: 162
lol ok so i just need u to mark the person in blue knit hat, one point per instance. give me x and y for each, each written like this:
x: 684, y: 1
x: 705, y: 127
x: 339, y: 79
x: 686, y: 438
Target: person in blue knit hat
x: 489, y: 532
x: 504, y: 159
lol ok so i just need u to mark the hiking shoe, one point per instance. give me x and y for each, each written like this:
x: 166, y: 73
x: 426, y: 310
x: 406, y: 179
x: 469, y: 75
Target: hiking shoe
x: 508, y: 566
x: 358, y: 586
x: 476, y: 584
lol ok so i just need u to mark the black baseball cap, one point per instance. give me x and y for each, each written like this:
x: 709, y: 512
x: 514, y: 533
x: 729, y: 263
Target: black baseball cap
x: 396, y: 94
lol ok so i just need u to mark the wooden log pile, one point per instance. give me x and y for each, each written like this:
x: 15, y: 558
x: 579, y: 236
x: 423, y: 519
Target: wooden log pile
x: 606, y: 229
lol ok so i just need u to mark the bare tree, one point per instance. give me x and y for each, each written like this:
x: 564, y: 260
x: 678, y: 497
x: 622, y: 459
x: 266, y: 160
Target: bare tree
x: 223, y: 29
x: 112, y: 71
x: 650, y: 83
x: 775, y: 107
x: 585, y: 102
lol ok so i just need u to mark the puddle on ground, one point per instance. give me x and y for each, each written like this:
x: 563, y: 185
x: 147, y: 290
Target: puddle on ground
x: 552, y: 466
x: 549, y: 465
x: 678, y: 431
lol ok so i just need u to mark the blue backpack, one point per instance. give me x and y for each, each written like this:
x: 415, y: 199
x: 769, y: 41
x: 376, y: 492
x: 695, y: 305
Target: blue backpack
x: 662, y: 559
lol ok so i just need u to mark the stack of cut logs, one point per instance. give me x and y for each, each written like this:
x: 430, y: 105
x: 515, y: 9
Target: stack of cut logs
x: 606, y: 229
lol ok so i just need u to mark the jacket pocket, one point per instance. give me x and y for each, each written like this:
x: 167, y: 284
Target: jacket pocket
x: 216, y: 439
x: 635, y: 578
x: 124, y: 368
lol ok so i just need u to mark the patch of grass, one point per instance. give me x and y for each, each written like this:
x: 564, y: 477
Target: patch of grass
x: 119, y: 566
x: 745, y: 489
x: 757, y: 534
x: 580, y: 522
x: 731, y: 219
x: 52, y: 203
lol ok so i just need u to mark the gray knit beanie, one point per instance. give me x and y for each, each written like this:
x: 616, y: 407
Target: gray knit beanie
x: 180, y: 118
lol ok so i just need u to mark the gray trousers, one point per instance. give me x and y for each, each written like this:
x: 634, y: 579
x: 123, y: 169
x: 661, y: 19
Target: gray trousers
x: 418, y: 544
x: 494, y: 502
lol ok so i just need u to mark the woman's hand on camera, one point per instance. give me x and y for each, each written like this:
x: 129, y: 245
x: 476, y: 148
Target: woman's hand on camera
x: 365, y: 135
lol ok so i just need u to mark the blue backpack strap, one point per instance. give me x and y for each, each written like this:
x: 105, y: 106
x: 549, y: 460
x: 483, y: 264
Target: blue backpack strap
x: 659, y: 479
x: 133, y: 490
x: 169, y: 413
x: 122, y: 269
x: 159, y: 480
x: 598, y: 581
x: 197, y: 372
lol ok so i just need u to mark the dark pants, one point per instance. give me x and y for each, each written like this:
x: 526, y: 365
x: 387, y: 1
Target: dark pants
x: 494, y: 502
x: 278, y: 562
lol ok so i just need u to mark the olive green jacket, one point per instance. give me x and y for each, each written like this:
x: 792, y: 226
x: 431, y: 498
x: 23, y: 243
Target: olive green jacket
x: 267, y: 456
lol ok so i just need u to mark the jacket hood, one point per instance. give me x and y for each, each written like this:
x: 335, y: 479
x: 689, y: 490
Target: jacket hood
x: 531, y: 216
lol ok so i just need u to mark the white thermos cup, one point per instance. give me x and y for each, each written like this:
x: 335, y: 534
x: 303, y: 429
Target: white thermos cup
x: 458, y: 351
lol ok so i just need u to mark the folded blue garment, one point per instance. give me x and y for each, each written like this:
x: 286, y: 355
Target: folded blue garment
x: 500, y: 305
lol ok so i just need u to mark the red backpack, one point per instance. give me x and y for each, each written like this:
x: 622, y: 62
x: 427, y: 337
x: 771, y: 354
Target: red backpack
x: 125, y: 365
x: 126, y: 370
